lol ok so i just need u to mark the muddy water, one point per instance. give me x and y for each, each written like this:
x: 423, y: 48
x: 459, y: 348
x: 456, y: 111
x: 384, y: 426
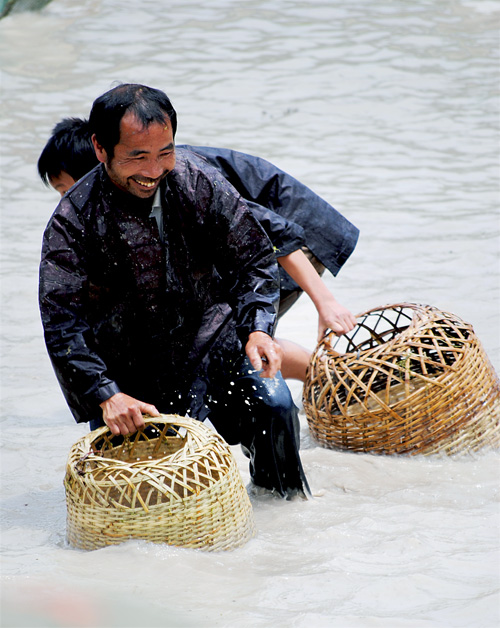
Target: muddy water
x: 389, y: 110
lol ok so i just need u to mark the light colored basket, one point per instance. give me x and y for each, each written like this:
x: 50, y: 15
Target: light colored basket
x: 175, y: 481
x: 410, y: 379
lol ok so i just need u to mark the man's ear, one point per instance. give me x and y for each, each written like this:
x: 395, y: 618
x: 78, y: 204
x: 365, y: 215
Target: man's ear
x: 99, y: 150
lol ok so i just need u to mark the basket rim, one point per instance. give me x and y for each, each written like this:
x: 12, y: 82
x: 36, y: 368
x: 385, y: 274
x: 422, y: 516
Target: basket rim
x: 418, y: 308
x: 174, y: 419
x: 83, y: 446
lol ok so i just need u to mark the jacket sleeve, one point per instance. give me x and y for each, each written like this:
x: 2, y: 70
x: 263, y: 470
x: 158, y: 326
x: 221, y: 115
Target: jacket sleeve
x: 63, y: 278
x: 328, y: 234
x: 246, y: 260
x: 286, y: 236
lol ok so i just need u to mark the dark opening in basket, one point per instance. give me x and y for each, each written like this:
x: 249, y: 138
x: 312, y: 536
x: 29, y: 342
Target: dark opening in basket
x: 153, y: 442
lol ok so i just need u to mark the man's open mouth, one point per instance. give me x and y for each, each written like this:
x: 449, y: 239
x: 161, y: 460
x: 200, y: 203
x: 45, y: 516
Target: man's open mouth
x: 146, y: 184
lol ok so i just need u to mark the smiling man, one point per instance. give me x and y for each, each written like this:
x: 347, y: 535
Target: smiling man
x: 158, y: 292
x: 142, y: 159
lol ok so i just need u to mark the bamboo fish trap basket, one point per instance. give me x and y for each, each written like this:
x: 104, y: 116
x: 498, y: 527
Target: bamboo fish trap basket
x: 411, y: 380
x: 175, y: 481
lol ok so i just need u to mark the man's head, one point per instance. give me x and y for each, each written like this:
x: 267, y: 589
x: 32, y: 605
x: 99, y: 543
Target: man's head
x: 68, y: 154
x: 133, y: 128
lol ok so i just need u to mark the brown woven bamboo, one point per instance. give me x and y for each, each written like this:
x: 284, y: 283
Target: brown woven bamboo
x: 409, y: 379
x: 175, y: 481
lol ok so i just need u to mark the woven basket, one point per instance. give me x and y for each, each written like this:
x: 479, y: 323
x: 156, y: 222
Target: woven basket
x: 410, y: 379
x: 175, y: 481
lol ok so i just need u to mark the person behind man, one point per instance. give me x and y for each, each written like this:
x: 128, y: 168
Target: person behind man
x: 301, y: 225
x: 158, y: 290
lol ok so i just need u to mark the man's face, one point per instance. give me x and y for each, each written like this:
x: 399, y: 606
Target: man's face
x: 142, y: 157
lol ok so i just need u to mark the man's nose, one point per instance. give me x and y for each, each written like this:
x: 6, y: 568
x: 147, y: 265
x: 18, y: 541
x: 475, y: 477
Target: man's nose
x: 152, y: 169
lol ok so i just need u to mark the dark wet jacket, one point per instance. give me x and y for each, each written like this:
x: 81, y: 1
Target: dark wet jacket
x: 290, y: 212
x: 122, y: 312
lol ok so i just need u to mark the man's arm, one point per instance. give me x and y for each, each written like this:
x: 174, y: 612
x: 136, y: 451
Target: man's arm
x: 328, y: 234
x: 332, y: 315
x: 82, y: 373
x: 245, y: 258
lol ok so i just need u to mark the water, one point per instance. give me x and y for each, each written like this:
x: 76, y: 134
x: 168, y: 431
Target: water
x: 389, y: 110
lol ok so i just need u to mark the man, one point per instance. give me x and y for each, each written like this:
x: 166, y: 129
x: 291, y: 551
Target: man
x: 304, y: 228
x: 158, y: 290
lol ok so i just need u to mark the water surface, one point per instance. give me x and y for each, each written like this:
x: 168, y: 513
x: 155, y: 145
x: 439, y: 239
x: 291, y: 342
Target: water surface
x: 389, y: 110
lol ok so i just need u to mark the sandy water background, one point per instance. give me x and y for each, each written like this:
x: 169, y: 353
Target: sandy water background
x: 390, y: 111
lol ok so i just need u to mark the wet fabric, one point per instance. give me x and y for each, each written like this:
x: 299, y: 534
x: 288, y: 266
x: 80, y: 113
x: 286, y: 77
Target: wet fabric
x: 260, y: 414
x: 268, y: 190
x: 122, y: 312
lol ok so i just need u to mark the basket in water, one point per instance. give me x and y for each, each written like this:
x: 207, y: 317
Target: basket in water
x: 411, y: 379
x: 175, y: 481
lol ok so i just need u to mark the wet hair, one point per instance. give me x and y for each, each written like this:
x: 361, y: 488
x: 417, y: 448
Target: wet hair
x: 149, y: 105
x: 69, y: 149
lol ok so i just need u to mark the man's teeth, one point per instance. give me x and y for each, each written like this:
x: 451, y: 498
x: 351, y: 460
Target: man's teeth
x: 146, y: 184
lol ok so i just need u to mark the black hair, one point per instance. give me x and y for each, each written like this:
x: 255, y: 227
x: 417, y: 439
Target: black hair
x: 69, y: 149
x: 146, y: 103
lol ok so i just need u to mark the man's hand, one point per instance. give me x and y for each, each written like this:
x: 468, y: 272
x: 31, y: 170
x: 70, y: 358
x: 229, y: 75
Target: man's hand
x: 334, y: 316
x: 123, y: 414
x: 264, y: 353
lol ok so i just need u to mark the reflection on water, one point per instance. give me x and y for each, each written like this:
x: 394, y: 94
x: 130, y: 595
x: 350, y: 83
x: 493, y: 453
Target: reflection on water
x: 389, y: 110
